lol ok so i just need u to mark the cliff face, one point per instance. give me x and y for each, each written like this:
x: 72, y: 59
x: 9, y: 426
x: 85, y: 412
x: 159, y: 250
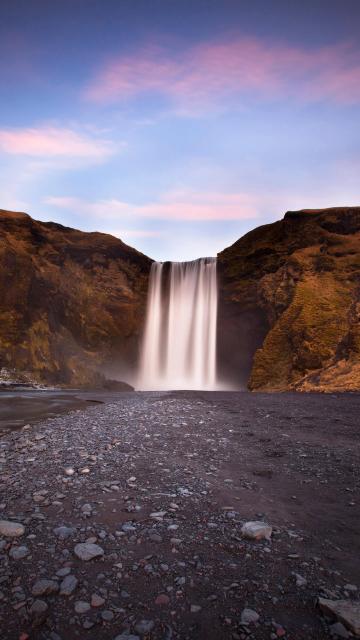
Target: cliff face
x: 290, y: 303
x: 71, y: 303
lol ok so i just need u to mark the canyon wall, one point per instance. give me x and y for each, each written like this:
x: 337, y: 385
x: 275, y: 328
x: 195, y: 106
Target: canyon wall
x: 72, y: 304
x: 290, y: 303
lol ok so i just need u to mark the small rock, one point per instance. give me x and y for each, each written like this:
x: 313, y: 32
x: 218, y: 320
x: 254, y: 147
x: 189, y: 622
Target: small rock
x: 64, y: 532
x: 38, y: 607
x: 249, y: 616
x: 81, y: 606
x: 11, y: 529
x: 300, y: 581
x: 107, y: 615
x: 17, y: 553
x: 127, y: 636
x: 162, y: 599
x: 97, y: 601
x: 69, y: 471
x: 144, y: 626
x: 338, y: 630
x: 44, y: 587
x: 195, y: 608
x: 88, y: 551
x: 256, y: 530
x: 347, y: 612
x: 68, y: 585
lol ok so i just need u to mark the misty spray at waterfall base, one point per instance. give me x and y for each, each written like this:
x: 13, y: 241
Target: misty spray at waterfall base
x: 179, y: 344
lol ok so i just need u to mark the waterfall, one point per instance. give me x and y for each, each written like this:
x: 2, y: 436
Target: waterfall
x: 179, y: 344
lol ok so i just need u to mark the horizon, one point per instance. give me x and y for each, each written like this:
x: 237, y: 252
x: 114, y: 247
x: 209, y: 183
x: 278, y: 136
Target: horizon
x: 178, y: 127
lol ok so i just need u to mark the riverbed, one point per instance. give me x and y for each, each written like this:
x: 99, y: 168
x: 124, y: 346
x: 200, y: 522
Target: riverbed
x: 162, y: 484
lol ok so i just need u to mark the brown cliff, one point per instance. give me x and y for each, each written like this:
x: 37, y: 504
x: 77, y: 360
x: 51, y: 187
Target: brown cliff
x: 290, y: 303
x: 72, y: 303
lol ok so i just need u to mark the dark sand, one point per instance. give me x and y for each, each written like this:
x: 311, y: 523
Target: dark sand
x: 205, y: 463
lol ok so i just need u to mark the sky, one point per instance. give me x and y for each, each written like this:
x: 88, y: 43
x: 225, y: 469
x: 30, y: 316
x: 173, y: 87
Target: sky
x: 178, y: 125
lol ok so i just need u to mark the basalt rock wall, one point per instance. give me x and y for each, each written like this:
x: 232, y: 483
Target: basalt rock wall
x: 72, y: 304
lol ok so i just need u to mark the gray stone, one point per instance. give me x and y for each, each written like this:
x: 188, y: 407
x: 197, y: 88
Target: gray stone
x: 256, y: 530
x: 338, y: 630
x: 11, y: 529
x: 96, y: 600
x: 64, y: 532
x: 17, y: 553
x: 347, y: 612
x: 38, y: 607
x: 45, y: 587
x: 68, y: 585
x: 81, y: 606
x: 88, y: 551
x: 249, y: 616
x: 107, y: 615
x: 195, y: 608
x: 144, y: 626
x: 127, y: 636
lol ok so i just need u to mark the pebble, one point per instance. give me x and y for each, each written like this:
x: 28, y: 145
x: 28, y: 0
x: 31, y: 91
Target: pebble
x: 144, y: 626
x: 11, y: 529
x: 64, y: 532
x: 44, y: 587
x: 38, y: 607
x: 256, y: 530
x: 195, y: 608
x: 18, y: 553
x: 81, y: 606
x: 87, y: 551
x: 162, y: 599
x: 68, y: 585
x: 249, y: 616
x: 97, y: 601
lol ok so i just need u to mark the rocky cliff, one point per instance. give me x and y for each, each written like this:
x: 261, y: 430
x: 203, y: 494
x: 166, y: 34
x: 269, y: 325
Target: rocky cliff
x: 71, y: 303
x: 290, y: 303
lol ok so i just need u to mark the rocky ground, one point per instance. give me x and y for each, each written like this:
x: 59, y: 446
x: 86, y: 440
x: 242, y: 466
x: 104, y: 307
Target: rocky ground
x: 129, y: 519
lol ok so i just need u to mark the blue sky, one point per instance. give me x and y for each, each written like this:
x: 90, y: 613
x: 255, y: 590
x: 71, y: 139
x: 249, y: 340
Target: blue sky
x: 177, y: 125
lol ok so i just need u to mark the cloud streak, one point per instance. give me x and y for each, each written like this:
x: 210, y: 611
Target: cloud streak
x: 241, y: 67
x: 175, y: 205
x: 54, y: 143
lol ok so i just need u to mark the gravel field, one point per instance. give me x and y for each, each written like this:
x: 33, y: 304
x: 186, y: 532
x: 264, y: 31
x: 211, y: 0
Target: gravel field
x: 129, y: 518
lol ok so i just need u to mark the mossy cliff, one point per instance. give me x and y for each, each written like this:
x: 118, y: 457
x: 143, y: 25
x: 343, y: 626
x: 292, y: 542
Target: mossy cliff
x: 293, y: 288
x: 71, y: 303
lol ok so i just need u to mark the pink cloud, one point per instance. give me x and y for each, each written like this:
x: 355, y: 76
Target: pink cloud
x: 53, y: 142
x: 242, y: 66
x: 175, y: 205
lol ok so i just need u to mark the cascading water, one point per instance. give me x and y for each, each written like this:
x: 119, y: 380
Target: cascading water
x: 179, y: 345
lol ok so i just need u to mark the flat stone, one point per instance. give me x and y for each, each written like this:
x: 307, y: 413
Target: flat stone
x: 107, y: 615
x: 64, y: 532
x: 249, y: 616
x: 81, y: 606
x: 127, y: 636
x: 38, y: 607
x: 11, y: 529
x: 68, y: 585
x: 256, y: 530
x: 88, y: 551
x: 195, y: 608
x: 44, y: 587
x: 17, y: 553
x: 347, y: 612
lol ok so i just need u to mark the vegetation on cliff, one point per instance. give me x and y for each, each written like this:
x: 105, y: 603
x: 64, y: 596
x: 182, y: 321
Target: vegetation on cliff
x: 303, y: 274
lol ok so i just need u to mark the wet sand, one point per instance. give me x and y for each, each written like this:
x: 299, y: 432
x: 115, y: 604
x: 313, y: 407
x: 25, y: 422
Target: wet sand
x: 162, y: 483
x: 21, y: 407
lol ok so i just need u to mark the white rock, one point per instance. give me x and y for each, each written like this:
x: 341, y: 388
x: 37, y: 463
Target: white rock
x: 256, y: 530
x: 11, y: 529
x: 88, y: 551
